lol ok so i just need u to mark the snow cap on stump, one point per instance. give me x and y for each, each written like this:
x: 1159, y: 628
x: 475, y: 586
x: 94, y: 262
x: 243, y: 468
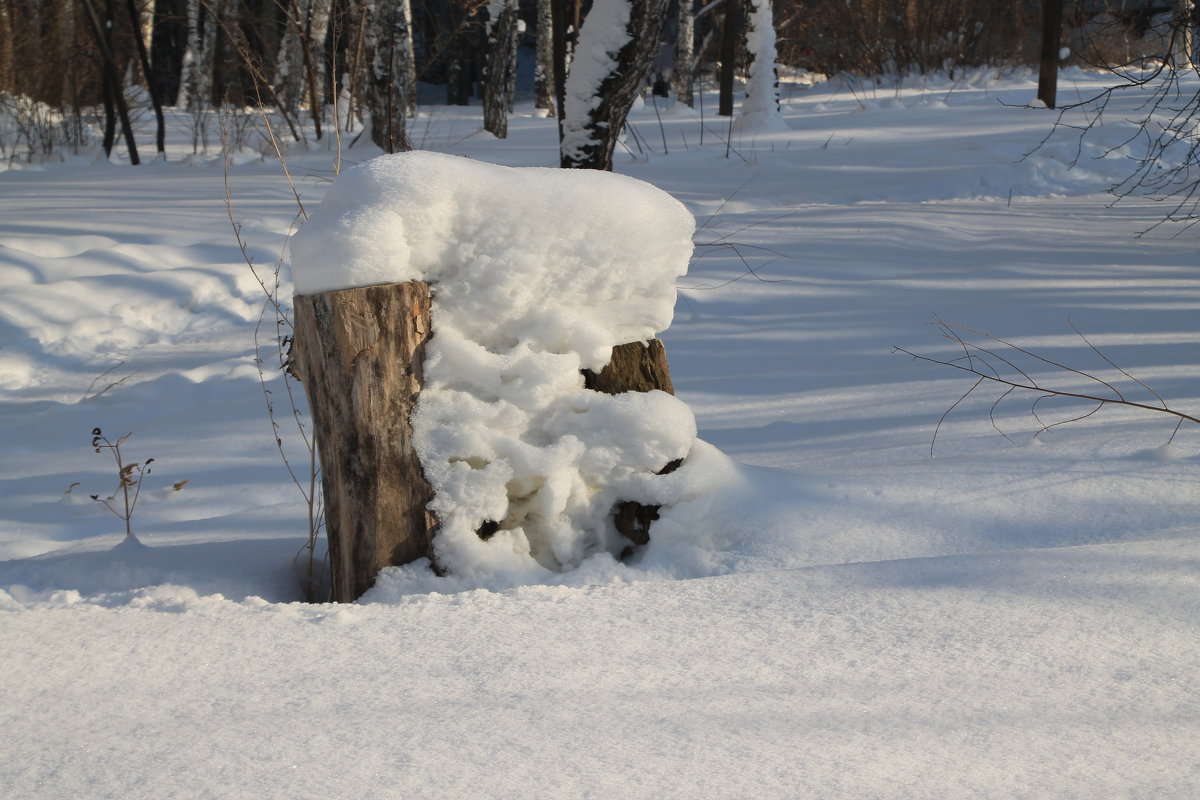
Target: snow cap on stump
x: 511, y: 249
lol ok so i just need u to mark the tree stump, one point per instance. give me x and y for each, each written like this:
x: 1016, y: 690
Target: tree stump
x: 635, y: 367
x: 360, y: 354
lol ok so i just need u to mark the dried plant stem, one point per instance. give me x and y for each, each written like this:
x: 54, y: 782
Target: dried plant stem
x: 308, y: 486
x: 129, y: 478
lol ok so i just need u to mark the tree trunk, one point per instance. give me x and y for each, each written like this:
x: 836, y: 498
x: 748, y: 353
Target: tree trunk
x: 684, y: 49
x: 1051, y: 41
x: 731, y: 35
x: 597, y: 104
x: 289, y: 61
x: 558, y: 47
x: 102, y: 32
x: 501, y: 68
x: 387, y: 55
x: 135, y: 20
x: 543, y: 71
x: 167, y: 46
x: 1183, y: 35
x: 360, y: 354
x: 408, y: 64
x: 635, y: 367
x: 760, y: 108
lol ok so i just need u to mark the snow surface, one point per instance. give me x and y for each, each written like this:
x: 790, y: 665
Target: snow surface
x: 1006, y: 619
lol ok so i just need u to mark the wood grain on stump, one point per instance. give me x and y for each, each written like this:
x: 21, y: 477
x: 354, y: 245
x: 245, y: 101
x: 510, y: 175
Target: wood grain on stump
x: 359, y: 354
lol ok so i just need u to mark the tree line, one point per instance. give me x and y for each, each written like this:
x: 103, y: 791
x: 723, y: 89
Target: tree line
x: 323, y: 63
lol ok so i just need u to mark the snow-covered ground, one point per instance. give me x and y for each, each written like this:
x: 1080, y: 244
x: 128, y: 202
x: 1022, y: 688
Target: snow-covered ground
x: 1011, y: 618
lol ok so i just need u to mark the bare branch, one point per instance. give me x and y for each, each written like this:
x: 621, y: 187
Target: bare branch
x: 978, y: 362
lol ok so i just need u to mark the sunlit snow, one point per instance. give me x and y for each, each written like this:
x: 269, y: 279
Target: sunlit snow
x: 844, y: 617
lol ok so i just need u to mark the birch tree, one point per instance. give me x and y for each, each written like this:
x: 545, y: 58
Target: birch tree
x: 389, y: 53
x: 616, y: 49
x: 684, y: 53
x: 196, y: 77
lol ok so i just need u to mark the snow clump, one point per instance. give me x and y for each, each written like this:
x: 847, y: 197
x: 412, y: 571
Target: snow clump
x: 536, y: 274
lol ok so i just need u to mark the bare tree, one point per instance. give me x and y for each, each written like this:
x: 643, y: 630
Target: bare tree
x: 135, y: 21
x: 1167, y: 122
x: 114, y: 95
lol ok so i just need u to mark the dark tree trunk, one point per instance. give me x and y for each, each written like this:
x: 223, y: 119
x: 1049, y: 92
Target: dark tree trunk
x: 160, y: 135
x: 1051, y: 42
x: 167, y: 45
x: 460, y: 69
x: 110, y: 118
x: 558, y: 42
x: 102, y: 32
x: 731, y: 37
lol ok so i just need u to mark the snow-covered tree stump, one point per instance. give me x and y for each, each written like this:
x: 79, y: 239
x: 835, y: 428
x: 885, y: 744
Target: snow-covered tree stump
x: 360, y: 354
x: 534, y: 430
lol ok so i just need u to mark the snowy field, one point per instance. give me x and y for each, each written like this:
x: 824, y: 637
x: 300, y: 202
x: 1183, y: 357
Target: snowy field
x: 1017, y: 616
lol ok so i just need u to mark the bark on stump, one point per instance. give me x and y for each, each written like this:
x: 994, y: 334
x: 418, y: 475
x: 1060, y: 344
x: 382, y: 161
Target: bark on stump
x: 360, y: 355
x: 635, y: 367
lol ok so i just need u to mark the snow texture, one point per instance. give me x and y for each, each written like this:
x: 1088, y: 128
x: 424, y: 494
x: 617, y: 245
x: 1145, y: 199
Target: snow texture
x: 846, y: 617
x: 536, y: 275
x: 595, y: 59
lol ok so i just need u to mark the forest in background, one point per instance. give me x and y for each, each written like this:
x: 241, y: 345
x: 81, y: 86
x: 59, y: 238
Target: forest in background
x: 65, y: 66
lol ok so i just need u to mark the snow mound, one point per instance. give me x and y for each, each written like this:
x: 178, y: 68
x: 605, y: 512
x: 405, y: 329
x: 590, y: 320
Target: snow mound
x: 537, y: 274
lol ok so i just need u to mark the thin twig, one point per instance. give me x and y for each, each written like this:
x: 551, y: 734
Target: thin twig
x: 977, y: 361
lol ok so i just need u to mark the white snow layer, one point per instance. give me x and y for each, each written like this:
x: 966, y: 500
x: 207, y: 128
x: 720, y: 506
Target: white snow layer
x: 600, y: 42
x: 537, y: 274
